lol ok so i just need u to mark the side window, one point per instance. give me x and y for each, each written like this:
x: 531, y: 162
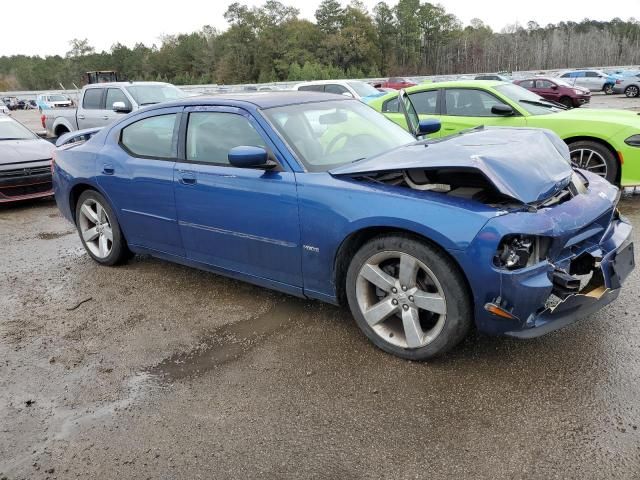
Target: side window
x: 92, y: 99
x: 391, y: 106
x: 463, y: 102
x: 425, y: 102
x: 116, y: 95
x: 334, y: 88
x: 592, y: 74
x: 311, y: 88
x: 544, y: 84
x: 150, y: 137
x: 527, y: 84
x: 566, y: 75
x: 210, y: 136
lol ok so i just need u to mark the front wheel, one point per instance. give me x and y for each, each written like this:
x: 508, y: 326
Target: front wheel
x: 608, y: 89
x: 567, y: 102
x: 99, y: 229
x: 408, y: 297
x: 632, y: 91
x: 594, y: 157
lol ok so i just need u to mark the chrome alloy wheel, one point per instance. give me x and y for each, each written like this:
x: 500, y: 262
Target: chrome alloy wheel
x: 95, y: 228
x: 590, y: 160
x: 401, y: 299
x: 631, y: 91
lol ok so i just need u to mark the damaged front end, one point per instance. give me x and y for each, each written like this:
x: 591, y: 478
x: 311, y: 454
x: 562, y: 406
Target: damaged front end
x: 566, y: 261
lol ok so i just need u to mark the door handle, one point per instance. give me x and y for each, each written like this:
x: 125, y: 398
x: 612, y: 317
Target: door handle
x: 80, y: 117
x: 187, y: 177
x: 108, y: 169
x: 105, y: 117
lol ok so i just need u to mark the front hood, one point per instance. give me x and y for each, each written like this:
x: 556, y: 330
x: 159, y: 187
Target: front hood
x: 528, y: 165
x: 625, y: 118
x: 16, y: 151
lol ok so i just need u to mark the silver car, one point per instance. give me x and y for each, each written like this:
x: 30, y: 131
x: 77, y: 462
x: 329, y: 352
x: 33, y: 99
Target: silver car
x: 630, y: 86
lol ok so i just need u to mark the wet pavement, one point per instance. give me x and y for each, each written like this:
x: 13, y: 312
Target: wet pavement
x: 154, y: 370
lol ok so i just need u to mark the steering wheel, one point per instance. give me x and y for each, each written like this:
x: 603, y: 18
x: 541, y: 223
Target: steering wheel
x: 335, y: 141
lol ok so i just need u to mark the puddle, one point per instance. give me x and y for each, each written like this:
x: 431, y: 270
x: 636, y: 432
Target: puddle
x: 231, y: 341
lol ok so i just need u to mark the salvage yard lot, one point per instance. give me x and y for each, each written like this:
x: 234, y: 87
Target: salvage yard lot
x: 155, y: 370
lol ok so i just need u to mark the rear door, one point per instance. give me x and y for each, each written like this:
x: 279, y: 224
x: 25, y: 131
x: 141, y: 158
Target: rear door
x: 91, y: 112
x: 465, y: 108
x: 239, y: 219
x: 136, y: 171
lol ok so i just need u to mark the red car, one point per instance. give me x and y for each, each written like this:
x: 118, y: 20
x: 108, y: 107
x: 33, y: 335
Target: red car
x: 557, y: 90
x: 395, y: 82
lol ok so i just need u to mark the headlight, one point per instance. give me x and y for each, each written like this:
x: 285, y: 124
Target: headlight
x: 579, y: 92
x: 633, y: 141
x: 519, y: 251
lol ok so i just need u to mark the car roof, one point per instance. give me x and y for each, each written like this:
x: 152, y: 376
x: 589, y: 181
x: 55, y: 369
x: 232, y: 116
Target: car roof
x: 457, y: 83
x: 123, y: 84
x: 262, y: 100
x: 324, y: 82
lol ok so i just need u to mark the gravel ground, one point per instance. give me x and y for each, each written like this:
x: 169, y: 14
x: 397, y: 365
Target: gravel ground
x: 154, y: 370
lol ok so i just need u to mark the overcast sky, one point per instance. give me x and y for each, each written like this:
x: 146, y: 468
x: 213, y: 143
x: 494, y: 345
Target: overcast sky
x: 48, y: 31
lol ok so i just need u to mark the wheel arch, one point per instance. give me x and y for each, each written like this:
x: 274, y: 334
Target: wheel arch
x: 604, y: 143
x: 352, y: 243
x: 78, y: 189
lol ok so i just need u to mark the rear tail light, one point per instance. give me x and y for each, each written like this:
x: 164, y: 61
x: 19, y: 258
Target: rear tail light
x: 53, y: 161
x: 43, y: 117
x: 618, y: 82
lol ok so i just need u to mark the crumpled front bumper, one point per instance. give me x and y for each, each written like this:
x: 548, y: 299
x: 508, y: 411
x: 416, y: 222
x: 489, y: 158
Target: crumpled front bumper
x: 589, y: 227
x: 615, y: 267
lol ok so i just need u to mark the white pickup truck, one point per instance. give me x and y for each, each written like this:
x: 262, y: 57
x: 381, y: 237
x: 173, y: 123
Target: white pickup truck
x: 102, y: 103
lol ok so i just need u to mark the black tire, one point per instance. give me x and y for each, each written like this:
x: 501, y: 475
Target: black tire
x: 632, y: 91
x: 613, y: 166
x: 61, y: 131
x: 608, y: 88
x: 119, y: 252
x: 567, y: 102
x: 457, y: 297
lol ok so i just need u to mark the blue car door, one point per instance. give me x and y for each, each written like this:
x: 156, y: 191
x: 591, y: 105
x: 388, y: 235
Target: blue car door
x: 135, y: 169
x: 239, y: 219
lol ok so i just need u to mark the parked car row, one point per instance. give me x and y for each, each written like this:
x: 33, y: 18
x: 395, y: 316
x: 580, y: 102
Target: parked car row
x: 13, y: 103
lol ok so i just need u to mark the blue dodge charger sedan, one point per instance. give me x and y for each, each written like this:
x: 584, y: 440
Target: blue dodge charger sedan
x: 319, y: 196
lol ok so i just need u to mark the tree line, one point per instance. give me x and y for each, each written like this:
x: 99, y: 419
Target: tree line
x: 272, y: 43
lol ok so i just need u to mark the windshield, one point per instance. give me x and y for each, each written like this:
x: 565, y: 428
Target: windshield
x: 12, y: 130
x: 325, y: 135
x: 562, y: 82
x: 58, y: 98
x: 149, y: 94
x: 363, y: 89
x: 531, y: 102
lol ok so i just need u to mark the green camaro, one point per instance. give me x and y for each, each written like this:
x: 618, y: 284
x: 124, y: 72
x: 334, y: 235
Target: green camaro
x: 606, y: 142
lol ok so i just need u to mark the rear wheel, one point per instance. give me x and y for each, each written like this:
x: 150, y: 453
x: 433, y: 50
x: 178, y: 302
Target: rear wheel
x: 408, y: 297
x: 632, y: 91
x: 594, y: 157
x: 99, y: 229
x: 567, y: 102
x: 608, y: 88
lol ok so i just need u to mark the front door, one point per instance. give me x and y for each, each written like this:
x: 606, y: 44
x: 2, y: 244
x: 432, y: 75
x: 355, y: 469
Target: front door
x: 465, y: 108
x: 545, y: 88
x: 242, y: 220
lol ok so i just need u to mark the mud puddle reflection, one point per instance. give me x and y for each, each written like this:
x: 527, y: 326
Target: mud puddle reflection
x: 232, y: 341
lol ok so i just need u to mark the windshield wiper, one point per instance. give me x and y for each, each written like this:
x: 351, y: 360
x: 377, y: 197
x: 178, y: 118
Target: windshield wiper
x: 540, y: 104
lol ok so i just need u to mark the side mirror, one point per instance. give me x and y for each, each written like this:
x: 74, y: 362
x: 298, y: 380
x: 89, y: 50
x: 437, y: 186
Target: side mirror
x: 431, y: 125
x: 502, y: 110
x: 120, y: 107
x: 554, y: 87
x: 347, y: 94
x: 248, y: 157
